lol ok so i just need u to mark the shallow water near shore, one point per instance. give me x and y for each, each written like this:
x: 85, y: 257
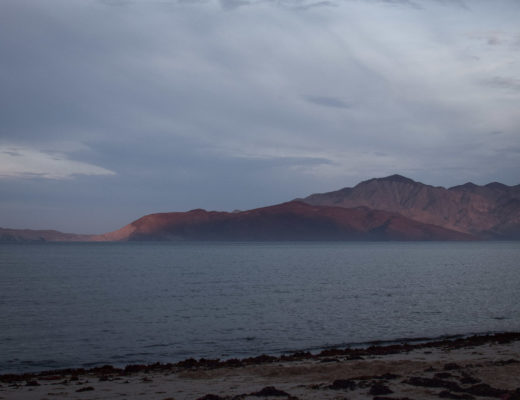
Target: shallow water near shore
x: 87, y: 304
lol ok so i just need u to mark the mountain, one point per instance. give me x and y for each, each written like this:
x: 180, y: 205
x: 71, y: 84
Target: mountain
x: 288, y: 221
x: 491, y: 211
x: 391, y: 208
x: 30, y: 235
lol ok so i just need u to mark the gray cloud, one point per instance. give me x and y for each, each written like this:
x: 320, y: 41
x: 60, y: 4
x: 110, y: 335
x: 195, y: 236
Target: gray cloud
x: 457, y: 3
x: 327, y: 101
x: 232, y: 4
x: 287, y: 161
x: 25, y: 162
x: 176, y: 105
x: 408, y: 3
x: 117, y: 3
x: 502, y: 82
x: 12, y: 153
x: 317, y: 4
x: 515, y: 149
x: 493, y: 40
x: 297, y: 5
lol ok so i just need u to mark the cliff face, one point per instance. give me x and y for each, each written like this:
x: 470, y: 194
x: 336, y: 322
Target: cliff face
x: 490, y: 211
x: 288, y: 221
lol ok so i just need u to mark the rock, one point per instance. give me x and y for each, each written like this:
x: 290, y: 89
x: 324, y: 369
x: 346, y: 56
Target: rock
x: 467, y: 379
x: 85, y: 389
x: 232, y: 362
x: 270, y: 391
x: 188, y: 363
x: 50, y: 377
x: 262, y: 359
x: 515, y: 395
x: 339, y: 384
x: 443, y: 375
x: 388, y: 376
x: 451, y: 366
x: 507, y: 362
x: 483, y: 389
x: 378, y: 389
x: 134, y: 368
x: 390, y: 398
x: 105, y: 370
x: 448, y: 395
x: 433, y: 382
x: 211, y: 397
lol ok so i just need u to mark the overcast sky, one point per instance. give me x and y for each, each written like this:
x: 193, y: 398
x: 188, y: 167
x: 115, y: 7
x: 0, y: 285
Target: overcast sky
x: 112, y: 109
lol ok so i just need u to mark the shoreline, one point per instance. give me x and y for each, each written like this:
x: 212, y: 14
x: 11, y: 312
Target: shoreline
x: 354, y: 349
x: 472, y: 367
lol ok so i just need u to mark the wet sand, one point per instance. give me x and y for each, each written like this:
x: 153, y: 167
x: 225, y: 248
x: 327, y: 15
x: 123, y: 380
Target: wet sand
x: 478, y: 367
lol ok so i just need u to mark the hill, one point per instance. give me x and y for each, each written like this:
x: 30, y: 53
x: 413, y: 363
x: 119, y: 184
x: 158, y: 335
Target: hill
x: 283, y: 222
x: 31, y: 235
x: 390, y: 208
x: 491, y: 211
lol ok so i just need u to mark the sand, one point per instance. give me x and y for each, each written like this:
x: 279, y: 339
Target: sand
x: 480, y: 367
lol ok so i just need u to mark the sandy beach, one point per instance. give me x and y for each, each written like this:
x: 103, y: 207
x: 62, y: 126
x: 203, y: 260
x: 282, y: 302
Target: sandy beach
x: 478, y: 367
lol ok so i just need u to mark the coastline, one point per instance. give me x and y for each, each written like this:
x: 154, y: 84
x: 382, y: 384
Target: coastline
x: 474, y: 367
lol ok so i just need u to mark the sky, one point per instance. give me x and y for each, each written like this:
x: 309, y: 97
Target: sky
x: 113, y: 109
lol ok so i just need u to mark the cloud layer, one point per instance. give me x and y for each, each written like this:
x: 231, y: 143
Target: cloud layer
x: 172, y: 105
x: 22, y: 162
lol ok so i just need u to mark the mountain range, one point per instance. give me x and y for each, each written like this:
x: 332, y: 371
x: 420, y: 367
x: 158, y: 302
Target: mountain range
x: 490, y: 211
x: 390, y: 208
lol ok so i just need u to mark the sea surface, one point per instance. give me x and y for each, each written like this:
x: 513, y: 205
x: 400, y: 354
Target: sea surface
x: 88, y: 304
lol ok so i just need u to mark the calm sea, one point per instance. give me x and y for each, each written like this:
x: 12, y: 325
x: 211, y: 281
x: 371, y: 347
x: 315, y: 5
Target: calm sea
x: 87, y: 304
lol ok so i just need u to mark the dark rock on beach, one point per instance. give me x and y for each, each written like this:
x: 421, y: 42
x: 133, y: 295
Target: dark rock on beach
x: 379, y: 389
x: 451, y: 367
x: 485, y: 390
x: 433, y: 383
x: 443, y: 375
x: 270, y: 391
x: 390, y: 398
x: 211, y: 397
x: 514, y: 395
x: 85, y: 389
x: 343, y: 384
x: 448, y: 395
x: 467, y: 379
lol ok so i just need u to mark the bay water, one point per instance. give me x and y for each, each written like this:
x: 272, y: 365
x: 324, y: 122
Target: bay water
x: 87, y: 304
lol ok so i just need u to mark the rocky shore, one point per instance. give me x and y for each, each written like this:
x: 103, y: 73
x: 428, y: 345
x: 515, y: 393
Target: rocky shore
x: 476, y: 367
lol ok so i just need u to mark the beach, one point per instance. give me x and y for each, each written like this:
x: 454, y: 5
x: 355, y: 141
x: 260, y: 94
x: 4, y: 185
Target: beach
x: 475, y: 367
